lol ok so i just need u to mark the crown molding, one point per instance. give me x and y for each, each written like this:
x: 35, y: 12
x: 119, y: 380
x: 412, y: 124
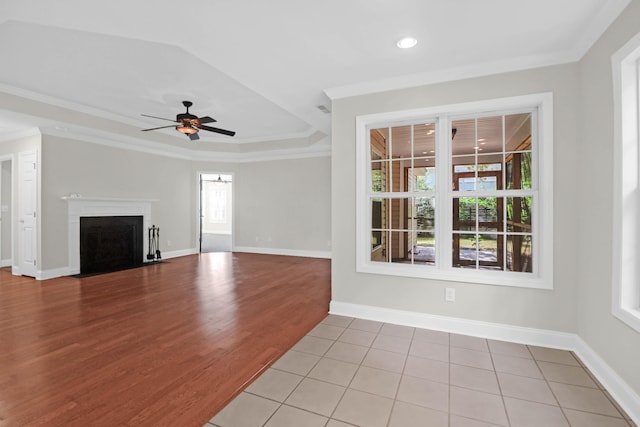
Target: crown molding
x: 19, y: 134
x: 449, y: 74
x: 138, y: 123
x: 592, y: 32
x: 607, y: 14
x: 319, y: 149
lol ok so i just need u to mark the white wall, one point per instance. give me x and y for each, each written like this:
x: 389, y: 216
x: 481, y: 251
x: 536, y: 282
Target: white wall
x: 613, y: 340
x: 546, y: 309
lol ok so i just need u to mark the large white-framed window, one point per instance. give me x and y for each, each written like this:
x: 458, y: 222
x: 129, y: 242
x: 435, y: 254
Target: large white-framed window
x: 459, y: 192
x: 626, y: 185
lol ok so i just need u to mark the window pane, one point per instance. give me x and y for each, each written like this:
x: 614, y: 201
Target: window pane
x: 519, y: 175
x: 400, y: 247
x: 422, y: 179
x: 519, y: 211
x: 425, y: 217
x: 379, y: 214
x: 398, y: 175
x: 518, y: 132
x: 519, y: 253
x: 379, y: 143
x: 490, y: 213
x: 465, y: 252
x: 379, y: 177
x: 379, y: 241
x: 464, y: 137
x: 399, y: 213
x: 462, y: 164
x: 490, y: 251
x: 424, y: 251
x: 401, y: 142
x: 464, y: 213
x: 464, y: 173
x: 489, y: 135
x: 424, y: 140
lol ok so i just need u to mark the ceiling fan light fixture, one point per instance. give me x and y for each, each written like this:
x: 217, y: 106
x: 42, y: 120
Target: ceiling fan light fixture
x: 406, y: 42
x: 187, y: 130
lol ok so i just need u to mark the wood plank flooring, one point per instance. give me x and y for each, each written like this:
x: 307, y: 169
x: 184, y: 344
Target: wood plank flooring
x: 162, y: 345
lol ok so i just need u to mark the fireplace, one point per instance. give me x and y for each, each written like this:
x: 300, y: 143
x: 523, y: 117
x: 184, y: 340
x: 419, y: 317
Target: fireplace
x: 84, y: 207
x: 110, y: 243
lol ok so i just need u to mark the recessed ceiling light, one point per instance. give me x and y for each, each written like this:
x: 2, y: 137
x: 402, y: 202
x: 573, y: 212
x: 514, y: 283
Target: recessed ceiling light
x: 406, y: 43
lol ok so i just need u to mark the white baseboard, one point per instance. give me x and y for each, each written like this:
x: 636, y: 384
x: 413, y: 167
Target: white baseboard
x: 287, y: 252
x: 6, y: 262
x: 179, y: 253
x: 66, y: 271
x: 626, y: 397
x: 52, y: 273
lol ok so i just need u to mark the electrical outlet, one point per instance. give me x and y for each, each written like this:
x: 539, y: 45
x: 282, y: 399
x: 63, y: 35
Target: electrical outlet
x: 450, y: 294
x: 168, y: 242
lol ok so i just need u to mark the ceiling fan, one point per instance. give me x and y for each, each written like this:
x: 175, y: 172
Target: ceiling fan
x: 189, y: 124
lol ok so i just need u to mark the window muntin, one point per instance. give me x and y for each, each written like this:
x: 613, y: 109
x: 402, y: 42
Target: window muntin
x: 521, y: 246
x: 486, y: 152
x: 403, y: 180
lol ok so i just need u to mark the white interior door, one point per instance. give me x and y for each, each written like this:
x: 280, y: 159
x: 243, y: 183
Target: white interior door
x: 27, y: 207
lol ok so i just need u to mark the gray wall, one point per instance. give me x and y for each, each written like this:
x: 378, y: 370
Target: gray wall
x: 285, y: 203
x: 613, y: 340
x: 92, y: 170
x: 547, y: 309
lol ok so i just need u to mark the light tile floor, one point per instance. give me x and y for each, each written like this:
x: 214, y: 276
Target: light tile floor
x: 353, y: 372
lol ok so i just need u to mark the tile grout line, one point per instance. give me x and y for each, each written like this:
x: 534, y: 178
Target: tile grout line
x: 495, y: 372
x: 347, y: 386
x: 404, y: 365
x: 411, y: 340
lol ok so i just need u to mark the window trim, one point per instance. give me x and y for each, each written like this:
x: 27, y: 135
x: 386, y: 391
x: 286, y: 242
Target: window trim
x: 544, y: 211
x: 625, y: 292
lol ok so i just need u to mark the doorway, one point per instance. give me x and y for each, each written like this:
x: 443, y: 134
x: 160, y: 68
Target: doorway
x: 6, y: 241
x: 216, y: 212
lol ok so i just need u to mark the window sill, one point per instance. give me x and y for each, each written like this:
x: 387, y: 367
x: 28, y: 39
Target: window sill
x: 630, y: 316
x: 501, y: 278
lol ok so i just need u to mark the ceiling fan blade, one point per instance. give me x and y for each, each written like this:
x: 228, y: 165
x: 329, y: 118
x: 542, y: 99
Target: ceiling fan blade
x: 207, y: 119
x: 194, y: 136
x: 217, y: 130
x: 161, y: 127
x: 156, y: 117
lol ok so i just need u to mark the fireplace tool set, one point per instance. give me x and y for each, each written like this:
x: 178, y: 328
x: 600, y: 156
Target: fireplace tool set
x: 154, y: 244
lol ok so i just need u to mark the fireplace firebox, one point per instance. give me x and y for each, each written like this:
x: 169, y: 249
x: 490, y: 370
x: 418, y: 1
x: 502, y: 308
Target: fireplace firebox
x: 110, y: 243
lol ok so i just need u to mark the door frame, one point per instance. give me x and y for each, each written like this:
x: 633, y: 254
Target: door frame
x: 8, y: 158
x: 198, y: 211
x: 18, y: 266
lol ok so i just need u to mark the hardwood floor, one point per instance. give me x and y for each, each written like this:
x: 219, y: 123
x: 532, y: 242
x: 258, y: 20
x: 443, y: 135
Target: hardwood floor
x: 163, y: 345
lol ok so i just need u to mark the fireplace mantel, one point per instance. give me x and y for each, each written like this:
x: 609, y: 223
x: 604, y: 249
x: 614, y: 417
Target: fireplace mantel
x: 79, y: 206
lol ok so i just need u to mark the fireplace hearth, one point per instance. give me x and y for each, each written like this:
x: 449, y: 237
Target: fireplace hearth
x: 110, y: 243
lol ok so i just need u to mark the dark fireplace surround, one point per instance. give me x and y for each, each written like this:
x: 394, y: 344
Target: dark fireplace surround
x: 110, y: 243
